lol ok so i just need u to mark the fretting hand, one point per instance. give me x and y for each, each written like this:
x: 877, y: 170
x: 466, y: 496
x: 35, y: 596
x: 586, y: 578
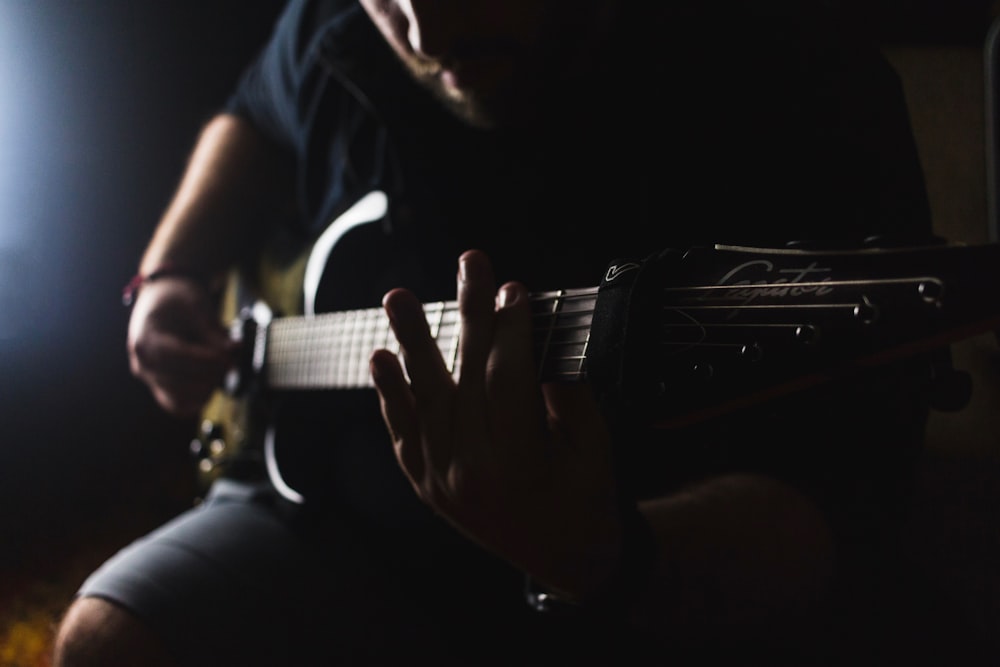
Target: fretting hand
x: 522, y: 470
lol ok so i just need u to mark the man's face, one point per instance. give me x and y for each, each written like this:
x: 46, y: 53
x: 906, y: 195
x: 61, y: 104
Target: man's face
x: 491, y: 62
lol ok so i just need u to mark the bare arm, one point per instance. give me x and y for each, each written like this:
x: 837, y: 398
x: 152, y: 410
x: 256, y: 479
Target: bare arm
x: 234, y: 182
x: 743, y: 553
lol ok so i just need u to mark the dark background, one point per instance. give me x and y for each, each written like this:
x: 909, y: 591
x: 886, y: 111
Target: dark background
x: 100, y: 101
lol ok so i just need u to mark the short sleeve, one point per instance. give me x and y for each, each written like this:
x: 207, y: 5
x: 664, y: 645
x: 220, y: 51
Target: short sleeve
x: 265, y: 92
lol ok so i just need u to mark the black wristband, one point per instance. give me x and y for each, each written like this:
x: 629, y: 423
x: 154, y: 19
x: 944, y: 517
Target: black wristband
x: 635, y: 567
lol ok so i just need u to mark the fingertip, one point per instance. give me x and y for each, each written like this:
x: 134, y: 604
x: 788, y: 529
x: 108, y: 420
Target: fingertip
x: 474, y: 264
x: 399, y: 300
x: 388, y: 299
x: 391, y: 306
x: 379, y: 364
x: 470, y: 255
x: 510, y: 294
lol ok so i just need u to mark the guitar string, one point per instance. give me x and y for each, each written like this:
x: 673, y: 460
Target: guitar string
x: 309, y: 326
x: 352, y: 319
x: 587, y: 294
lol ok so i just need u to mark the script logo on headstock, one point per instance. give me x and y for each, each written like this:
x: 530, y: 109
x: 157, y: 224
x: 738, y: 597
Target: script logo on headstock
x: 763, y: 280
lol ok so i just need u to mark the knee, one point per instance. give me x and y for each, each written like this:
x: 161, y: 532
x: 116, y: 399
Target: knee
x: 97, y: 632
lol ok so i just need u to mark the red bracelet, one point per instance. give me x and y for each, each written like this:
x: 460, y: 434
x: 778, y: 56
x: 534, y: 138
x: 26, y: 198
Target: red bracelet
x: 140, y: 279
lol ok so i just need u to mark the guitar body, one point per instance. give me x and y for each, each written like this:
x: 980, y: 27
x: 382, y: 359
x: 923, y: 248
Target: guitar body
x: 297, y: 438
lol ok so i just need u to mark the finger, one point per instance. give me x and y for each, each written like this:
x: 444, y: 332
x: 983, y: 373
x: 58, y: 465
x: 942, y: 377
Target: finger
x: 476, y: 306
x: 420, y: 353
x: 511, y: 375
x: 431, y: 384
x: 399, y: 413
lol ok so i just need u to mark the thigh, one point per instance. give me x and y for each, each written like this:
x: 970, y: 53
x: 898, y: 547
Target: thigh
x: 228, y: 582
x: 238, y: 581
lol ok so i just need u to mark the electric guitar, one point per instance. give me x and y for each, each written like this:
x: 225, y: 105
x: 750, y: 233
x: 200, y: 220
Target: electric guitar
x: 677, y: 337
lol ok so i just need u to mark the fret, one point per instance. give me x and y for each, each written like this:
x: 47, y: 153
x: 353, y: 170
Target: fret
x: 547, y: 333
x: 384, y: 336
x: 343, y: 347
x: 562, y: 330
x: 363, y: 337
x: 353, y: 347
x: 442, y: 319
x: 369, y: 342
x: 331, y: 350
x: 335, y: 346
x: 318, y: 352
x: 352, y: 342
x: 581, y: 365
x: 433, y: 312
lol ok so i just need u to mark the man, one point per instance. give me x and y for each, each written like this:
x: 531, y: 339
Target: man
x: 537, y: 142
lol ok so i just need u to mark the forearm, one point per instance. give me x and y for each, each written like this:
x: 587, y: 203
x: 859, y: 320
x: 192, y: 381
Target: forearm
x: 736, y: 553
x: 234, y: 181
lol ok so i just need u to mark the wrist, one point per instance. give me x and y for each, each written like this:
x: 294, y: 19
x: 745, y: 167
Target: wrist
x: 166, y: 270
x: 627, y: 581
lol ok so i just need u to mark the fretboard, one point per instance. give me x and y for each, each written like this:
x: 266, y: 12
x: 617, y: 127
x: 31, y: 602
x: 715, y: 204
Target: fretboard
x: 331, y: 350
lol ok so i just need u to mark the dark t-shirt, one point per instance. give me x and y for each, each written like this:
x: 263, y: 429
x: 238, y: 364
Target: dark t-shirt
x: 703, y: 125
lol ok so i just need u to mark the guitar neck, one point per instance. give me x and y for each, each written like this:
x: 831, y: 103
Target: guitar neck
x: 331, y: 350
x: 711, y: 327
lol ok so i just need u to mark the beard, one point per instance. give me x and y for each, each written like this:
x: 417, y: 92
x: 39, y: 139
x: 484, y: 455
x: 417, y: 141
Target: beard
x: 508, y: 101
x: 507, y: 82
x: 492, y: 90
